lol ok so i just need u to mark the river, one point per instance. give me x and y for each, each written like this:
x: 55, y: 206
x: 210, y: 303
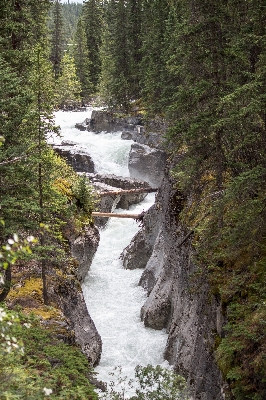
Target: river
x: 112, y: 294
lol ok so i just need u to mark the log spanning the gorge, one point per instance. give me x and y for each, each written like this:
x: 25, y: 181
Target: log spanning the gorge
x: 129, y: 191
x: 116, y: 215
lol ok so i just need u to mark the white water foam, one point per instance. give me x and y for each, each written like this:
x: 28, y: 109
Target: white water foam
x: 112, y: 294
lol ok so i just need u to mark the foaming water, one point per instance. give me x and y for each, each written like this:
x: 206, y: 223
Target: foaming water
x: 114, y: 300
x: 112, y: 294
x: 109, y: 153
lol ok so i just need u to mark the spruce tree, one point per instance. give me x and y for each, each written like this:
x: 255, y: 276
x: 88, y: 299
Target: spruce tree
x: 82, y: 61
x: 115, y: 84
x: 92, y: 14
x: 154, y: 77
x: 58, y: 39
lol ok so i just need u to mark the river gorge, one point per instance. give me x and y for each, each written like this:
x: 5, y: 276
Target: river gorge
x: 157, y: 310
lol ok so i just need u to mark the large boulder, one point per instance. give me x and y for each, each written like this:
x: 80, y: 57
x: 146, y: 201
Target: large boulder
x: 79, y: 160
x: 83, y: 249
x: 147, y: 164
x: 124, y: 183
x: 83, y: 126
x: 139, y: 250
x: 109, y: 122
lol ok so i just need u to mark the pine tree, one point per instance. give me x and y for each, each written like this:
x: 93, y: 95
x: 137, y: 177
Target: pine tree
x: 154, y: 76
x: 115, y: 84
x: 68, y: 88
x: 92, y: 13
x: 82, y: 62
x: 58, y: 39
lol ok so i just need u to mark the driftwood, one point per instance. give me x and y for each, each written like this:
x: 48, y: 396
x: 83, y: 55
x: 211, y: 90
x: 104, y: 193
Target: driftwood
x: 128, y: 191
x: 115, y: 215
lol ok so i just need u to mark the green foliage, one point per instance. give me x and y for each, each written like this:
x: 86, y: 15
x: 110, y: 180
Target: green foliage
x: 217, y: 111
x: 45, y: 366
x: 115, y: 86
x: 82, y: 61
x: 57, y: 38
x: 92, y: 17
x: 68, y: 88
x: 152, y: 383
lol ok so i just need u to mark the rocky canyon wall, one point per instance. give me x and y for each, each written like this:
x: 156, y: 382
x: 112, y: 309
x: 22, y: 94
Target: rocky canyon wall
x: 179, y: 298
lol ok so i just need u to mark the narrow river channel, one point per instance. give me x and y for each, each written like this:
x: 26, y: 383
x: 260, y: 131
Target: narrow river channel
x: 112, y: 294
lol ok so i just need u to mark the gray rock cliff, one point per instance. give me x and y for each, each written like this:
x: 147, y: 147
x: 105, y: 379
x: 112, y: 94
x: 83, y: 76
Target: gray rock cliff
x: 83, y: 249
x: 179, y: 298
x: 147, y: 164
x: 78, y: 159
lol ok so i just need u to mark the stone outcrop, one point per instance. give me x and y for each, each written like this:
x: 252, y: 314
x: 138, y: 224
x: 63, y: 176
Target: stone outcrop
x: 179, y: 298
x: 147, y: 164
x: 78, y: 159
x: 75, y: 310
x: 134, y: 128
x: 83, y: 126
x: 83, y: 249
x: 109, y: 122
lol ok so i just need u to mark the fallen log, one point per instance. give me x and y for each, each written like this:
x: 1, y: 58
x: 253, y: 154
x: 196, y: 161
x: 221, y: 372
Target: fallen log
x: 129, y: 191
x: 116, y: 215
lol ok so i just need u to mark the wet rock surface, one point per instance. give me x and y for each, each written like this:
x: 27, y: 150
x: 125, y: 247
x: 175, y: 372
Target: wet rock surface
x: 149, y: 132
x: 75, y: 309
x: 179, y: 298
x: 79, y: 160
x: 109, y: 122
x: 83, y: 249
x: 147, y: 164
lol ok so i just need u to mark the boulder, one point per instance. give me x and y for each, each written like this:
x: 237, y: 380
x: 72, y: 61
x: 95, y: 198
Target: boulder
x: 147, y: 164
x: 83, y: 248
x: 83, y: 126
x: 139, y: 250
x: 107, y: 121
x: 125, y: 135
x: 106, y: 203
x: 79, y: 160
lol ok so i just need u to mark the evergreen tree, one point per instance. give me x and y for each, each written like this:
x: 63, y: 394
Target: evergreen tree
x: 82, y: 62
x: 68, y: 88
x: 92, y: 13
x: 154, y: 77
x: 71, y: 14
x: 218, y: 115
x: 115, y: 84
x: 135, y: 12
x: 58, y: 39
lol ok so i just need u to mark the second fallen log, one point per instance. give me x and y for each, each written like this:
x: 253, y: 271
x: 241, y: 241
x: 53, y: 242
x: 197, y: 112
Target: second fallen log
x: 128, y: 191
x: 115, y: 215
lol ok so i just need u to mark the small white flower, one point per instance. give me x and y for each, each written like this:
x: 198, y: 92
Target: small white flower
x: 10, y: 241
x: 47, y: 391
x: 30, y: 239
x: 15, y: 236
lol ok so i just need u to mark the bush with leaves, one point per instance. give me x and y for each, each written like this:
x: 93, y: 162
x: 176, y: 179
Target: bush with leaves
x: 39, y: 365
x: 152, y: 383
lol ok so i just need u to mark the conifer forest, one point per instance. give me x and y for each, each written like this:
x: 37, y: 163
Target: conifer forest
x: 199, y: 66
